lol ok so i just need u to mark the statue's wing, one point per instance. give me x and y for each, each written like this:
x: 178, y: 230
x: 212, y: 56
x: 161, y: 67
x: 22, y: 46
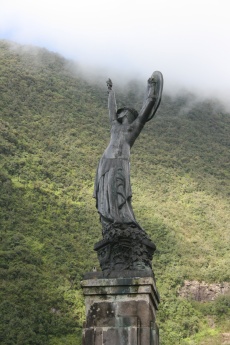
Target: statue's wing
x: 158, y: 88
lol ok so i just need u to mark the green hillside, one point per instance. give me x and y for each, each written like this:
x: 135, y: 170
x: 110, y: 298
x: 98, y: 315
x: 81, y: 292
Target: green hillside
x: 53, y: 129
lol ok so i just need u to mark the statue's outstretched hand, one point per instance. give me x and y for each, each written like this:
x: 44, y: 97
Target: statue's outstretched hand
x: 151, y: 86
x: 109, y: 84
x: 151, y: 80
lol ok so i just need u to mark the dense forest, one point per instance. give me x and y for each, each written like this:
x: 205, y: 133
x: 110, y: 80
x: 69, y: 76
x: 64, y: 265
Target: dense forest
x: 53, y: 128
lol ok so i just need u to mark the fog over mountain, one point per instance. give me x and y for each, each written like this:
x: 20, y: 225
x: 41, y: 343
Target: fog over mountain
x: 187, y: 41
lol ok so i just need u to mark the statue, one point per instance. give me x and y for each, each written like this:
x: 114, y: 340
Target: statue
x: 112, y: 184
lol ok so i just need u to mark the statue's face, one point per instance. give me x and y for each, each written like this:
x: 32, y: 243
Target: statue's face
x: 127, y: 117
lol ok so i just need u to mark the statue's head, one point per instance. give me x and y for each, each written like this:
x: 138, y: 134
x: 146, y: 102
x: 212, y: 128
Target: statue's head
x: 129, y: 112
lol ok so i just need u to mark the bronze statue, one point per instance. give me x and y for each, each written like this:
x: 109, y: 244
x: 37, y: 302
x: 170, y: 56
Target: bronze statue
x: 112, y: 185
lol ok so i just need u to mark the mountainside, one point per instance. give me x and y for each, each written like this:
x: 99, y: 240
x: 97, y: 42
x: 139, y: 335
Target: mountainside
x: 53, y: 129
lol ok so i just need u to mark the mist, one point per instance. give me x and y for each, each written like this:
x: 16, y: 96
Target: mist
x: 188, y: 41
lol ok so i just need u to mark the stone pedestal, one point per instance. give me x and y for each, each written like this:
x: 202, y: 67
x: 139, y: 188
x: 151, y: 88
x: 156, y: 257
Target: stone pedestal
x: 120, y: 311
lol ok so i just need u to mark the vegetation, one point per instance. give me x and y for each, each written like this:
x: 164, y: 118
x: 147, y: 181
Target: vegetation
x: 53, y: 129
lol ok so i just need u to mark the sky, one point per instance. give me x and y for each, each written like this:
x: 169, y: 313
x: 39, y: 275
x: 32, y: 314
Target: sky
x: 188, y: 41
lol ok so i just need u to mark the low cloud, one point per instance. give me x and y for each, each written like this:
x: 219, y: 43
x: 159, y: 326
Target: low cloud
x: 187, y: 41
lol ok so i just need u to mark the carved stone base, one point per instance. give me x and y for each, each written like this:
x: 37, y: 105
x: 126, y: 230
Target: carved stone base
x: 120, y: 311
x: 125, y: 249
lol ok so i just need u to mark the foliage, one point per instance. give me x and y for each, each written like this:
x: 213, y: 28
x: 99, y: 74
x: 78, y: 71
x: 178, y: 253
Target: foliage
x: 53, y: 129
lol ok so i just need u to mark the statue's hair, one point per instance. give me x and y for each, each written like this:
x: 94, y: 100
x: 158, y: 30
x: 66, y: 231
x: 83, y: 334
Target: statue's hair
x: 132, y: 111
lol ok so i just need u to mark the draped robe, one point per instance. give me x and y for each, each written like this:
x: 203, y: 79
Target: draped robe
x: 112, y: 191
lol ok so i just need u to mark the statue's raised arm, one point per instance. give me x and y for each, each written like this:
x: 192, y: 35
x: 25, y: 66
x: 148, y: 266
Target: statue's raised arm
x: 152, y: 97
x: 112, y: 106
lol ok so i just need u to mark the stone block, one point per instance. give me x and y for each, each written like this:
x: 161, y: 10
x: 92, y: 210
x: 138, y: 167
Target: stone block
x: 120, y: 311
